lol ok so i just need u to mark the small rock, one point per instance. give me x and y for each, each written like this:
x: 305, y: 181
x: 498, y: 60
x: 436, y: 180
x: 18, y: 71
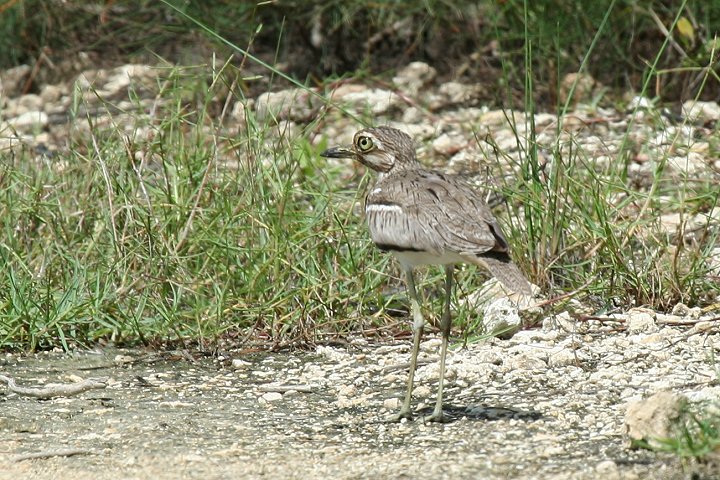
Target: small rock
x: 431, y: 345
x: 50, y: 93
x: 30, y: 102
x: 431, y: 372
x: 12, y: 81
x: 672, y: 136
x: 120, y: 359
x: 392, y: 378
x: 115, y: 82
x: 422, y: 391
x: 501, y: 318
x: 708, y: 396
x: 526, y: 361
x: 376, y: 101
x: 563, y: 321
x: 701, y: 111
x: 497, y: 118
x: 120, y: 78
x: 238, y: 364
x: 348, y: 391
x: 693, y: 162
x: 42, y: 140
x: 502, y: 459
x: 663, y: 318
x: 703, y: 327
x: 412, y: 115
x: 681, y: 310
x: 507, y: 140
x: 607, y: 470
x: 414, y: 76
x: 449, y: 144
x: 464, y: 161
x: 271, y: 397
x: 545, y: 120
x: 8, y: 141
x: 641, y: 322
x: 640, y: 103
x: 582, y: 86
x: 670, y: 222
x: 459, y: 93
x: 552, y: 451
x: 345, y: 89
x: 419, y: 132
x: 656, y: 337
x: 654, y: 418
x: 291, y: 104
x: 391, y: 403
x: 331, y: 353
x: 29, y: 120
x: 240, y: 111
x: 563, y: 358
x: 535, y: 335
x: 352, y: 402
x: 314, y: 372
x: 392, y: 349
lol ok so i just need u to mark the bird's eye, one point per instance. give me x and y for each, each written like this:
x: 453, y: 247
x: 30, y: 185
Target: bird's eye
x: 364, y: 143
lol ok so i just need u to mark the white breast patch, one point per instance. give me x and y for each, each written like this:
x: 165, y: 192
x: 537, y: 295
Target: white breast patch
x: 375, y: 207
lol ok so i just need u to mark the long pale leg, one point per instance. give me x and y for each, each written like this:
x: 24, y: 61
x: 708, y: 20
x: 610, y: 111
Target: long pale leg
x: 418, y: 324
x: 437, y: 415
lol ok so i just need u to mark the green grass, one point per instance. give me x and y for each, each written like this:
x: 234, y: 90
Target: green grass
x: 589, y: 226
x: 191, y: 228
x: 181, y: 232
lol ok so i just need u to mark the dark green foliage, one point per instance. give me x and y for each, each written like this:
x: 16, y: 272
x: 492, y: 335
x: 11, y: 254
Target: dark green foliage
x: 319, y: 38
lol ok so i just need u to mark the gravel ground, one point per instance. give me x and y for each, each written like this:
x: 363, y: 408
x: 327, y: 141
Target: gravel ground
x: 545, y: 404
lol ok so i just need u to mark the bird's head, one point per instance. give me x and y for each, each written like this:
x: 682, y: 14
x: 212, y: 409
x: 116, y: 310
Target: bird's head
x: 382, y: 149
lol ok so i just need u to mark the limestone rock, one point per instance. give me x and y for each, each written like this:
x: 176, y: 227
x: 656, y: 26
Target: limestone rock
x: 291, y: 104
x: 29, y: 121
x: 701, y: 111
x: 12, y: 81
x: 414, y: 76
x: 654, y: 418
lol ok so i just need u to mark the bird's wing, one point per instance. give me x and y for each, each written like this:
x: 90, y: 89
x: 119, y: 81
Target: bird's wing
x: 427, y: 211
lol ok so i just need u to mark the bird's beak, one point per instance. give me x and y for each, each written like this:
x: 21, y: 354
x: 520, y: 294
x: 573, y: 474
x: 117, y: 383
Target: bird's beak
x: 339, y: 152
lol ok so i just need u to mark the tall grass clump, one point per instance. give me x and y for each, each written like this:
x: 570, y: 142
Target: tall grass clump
x: 599, y: 227
x: 172, y: 226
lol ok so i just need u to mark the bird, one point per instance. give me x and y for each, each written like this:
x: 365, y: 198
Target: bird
x: 425, y: 217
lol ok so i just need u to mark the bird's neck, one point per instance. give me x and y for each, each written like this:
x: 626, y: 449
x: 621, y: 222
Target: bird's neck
x: 400, y: 168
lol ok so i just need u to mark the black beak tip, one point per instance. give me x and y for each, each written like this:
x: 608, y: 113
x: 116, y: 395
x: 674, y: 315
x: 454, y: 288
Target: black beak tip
x: 338, y: 152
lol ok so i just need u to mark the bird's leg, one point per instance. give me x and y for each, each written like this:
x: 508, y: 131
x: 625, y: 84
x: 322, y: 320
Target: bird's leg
x: 437, y: 415
x: 418, y: 324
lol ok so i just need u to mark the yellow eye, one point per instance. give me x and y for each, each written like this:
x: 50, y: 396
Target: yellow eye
x: 364, y: 144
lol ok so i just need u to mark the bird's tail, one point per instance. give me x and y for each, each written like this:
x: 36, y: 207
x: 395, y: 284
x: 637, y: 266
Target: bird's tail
x: 502, y: 268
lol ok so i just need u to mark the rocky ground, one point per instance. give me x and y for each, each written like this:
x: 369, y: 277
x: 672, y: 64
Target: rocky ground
x: 549, y: 403
x: 546, y: 404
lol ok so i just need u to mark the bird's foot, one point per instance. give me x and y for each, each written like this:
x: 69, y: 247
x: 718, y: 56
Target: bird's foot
x: 437, y: 416
x: 399, y: 416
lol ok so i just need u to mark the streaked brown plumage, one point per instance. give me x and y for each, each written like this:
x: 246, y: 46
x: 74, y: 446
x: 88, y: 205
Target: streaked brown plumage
x: 425, y: 217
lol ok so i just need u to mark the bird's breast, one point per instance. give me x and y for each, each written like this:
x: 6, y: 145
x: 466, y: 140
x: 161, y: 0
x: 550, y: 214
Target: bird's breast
x: 414, y: 258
